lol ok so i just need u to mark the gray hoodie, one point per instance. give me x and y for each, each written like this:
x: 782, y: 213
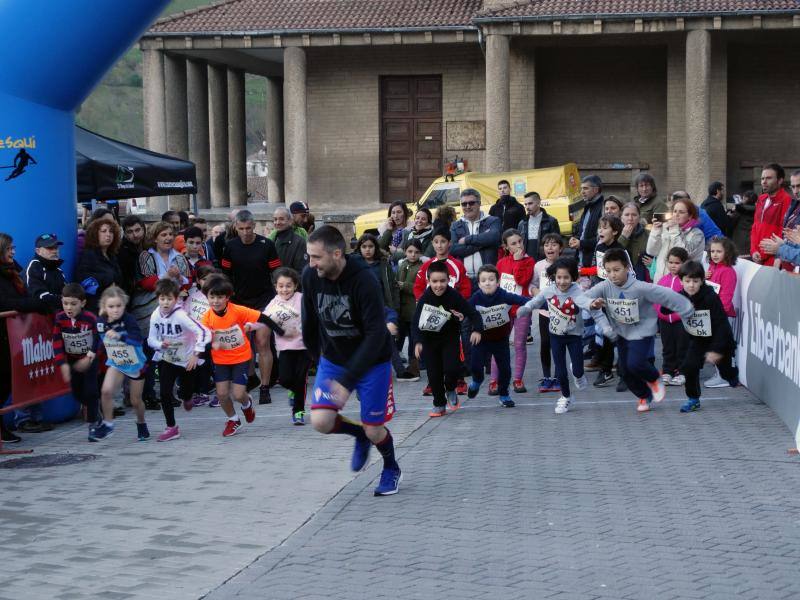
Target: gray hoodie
x: 630, y: 308
x: 567, y: 304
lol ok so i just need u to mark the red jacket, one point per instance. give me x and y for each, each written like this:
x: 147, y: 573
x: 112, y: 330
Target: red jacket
x: 458, y: 278
x: 768, y: 221
x: 522, y: 270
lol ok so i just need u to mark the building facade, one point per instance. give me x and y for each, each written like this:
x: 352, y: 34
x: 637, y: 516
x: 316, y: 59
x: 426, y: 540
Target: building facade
x: 367, y: 99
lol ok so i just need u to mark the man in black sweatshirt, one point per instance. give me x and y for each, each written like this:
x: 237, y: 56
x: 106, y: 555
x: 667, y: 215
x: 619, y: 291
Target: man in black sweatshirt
x: 344, y: 326
x: 507, y: 208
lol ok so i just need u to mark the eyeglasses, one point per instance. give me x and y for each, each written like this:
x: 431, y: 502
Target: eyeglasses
x: 469, y: 203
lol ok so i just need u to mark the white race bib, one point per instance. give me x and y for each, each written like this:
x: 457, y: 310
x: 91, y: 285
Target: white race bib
x: 509, y: 284
x: 623, y: 310
x: 77, y: 343
x: 120, y: 353
x: 559, y: 322
x: 601, y: 270
x: 281, y: 313
x: 494, y: 316
x: 229, y: 339
x: 714, y: 286
x: 699, y: 324
x: 198, y: 306
x: 173, y: 354
x: 433, y: 318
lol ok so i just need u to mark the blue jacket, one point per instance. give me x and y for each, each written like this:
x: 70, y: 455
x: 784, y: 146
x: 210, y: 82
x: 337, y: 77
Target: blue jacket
x: 707, y: 225
x: 486, y: 241
x: 789, y: 252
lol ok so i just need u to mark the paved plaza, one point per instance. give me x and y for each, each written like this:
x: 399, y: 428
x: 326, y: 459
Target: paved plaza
x: 496, y: 503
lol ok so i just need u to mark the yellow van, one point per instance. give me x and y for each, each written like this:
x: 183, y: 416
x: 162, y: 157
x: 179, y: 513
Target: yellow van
x: 559, y: 187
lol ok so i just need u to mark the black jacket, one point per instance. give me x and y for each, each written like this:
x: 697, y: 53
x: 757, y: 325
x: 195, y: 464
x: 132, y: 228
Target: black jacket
x: 449, y: 301
x: 595, y: 210
x: 533, y: 248
x: 509, y: 211
x: 721, y: 339
x: 96, y: 272
x: 128, y: 259
x: 741, y: 225
x: 46, y: 281
x: 291, y: 250
x: 12, y: 299
x: 713, y: 206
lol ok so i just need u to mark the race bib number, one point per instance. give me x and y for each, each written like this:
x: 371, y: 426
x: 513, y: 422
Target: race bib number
x: 494, y: 316
x: 714, y: 286
x: 120, y: 353
x: 699, y: 324
x: 601, y: 270
x: 172, y: 354
x: 623, y: 310
x: 229, y: 339
x: 281, y: 313
x: 559, y: 322
x: 198, y: 306
x: 77, y: 343
x: 433, y: 318
x: 509, y: 284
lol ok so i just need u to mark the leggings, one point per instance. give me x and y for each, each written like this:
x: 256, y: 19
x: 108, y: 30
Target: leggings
x: 522, y: 327
x: 562, y: 344
x: 168, y: 374
x: 293, y: 366
x: 544, y: 345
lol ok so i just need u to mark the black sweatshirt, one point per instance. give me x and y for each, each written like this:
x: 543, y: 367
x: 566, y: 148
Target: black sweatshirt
x: 343, y: 320
x: 721, y: 339
x: 250, y: 268
x: 449, y: 301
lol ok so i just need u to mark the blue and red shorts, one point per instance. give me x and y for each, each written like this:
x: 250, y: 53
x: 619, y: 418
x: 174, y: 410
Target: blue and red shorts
x: 374, y: 391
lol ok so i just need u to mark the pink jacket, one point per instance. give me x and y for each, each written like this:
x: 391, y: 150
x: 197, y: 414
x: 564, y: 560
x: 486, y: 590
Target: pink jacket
x: 673, y: 282
x: 287, y: 314
x: 725, y: 277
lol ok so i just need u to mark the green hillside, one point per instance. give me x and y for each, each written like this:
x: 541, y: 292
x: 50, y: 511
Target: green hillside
x: 115, y: 107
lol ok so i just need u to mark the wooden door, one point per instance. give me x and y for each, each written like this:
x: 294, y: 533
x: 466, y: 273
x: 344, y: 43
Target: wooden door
x: 411, y: 136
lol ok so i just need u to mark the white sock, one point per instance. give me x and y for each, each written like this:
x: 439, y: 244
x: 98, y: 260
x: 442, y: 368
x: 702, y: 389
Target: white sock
x: 246, y: 406
x: 234, y: 418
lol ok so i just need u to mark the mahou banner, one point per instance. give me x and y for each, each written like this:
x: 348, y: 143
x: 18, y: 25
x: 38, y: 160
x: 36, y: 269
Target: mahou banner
x: 35, y: 376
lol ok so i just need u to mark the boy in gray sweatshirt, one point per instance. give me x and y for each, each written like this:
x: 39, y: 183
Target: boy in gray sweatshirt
x: 628, y: 303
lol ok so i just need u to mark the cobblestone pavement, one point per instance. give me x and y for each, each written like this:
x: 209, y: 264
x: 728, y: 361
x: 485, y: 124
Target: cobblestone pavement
x: 496, y: 503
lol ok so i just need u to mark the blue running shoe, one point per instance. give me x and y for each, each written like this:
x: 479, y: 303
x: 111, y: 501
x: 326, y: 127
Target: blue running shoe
x: 360, y: 454
x: 690, y: 405
x: 142, y: 432
x: 101, y: 432
x: 389, y: 483
x: 298, y: 418
x: 507, y: 402
x: 472, y: 390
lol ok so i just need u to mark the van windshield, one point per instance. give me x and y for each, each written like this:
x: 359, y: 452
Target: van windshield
x: 442, y: 193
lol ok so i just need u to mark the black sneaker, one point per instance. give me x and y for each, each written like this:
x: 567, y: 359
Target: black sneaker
x: 150, y: 404
x: 407, y: 376
x: 621, y: 385
x: 119, y: 411
x: 603, y: 379
x: 264, y: 396
x: 253, y: 382
x: 9, y: 437
x: 31, y: 427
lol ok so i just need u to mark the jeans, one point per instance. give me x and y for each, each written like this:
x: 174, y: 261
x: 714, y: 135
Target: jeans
x: 638, y: 370
x: 500, y: 352
x: 522, y: 327
x: 560, y: 345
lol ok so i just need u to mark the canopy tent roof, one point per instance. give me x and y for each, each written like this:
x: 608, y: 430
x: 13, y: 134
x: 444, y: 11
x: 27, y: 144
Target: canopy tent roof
x: 109, y: 169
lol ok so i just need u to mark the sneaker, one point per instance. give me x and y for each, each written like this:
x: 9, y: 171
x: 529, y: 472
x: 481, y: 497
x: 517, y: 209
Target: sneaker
x: 507, y: 402
x: 658, y: 390
x: 553, y: 385
x: 581, y: 383
x: 622, y: 386
x: 9, y: 437
x: 529, y: 340
x: 120, y: 412
x: 389, y: 483
x: 200, y: 399
x: 519, y: 387
x: 188, y: 405
x: 150, y: 403
x: 603, y: 379
x: 427, y: 391
x: 231, y: 427
x: 253, y: 382
x: 437, y: 411
x: 667, y: 379
x: 31, y: 427
x: 678, y: 380
x: 170, y: 433
x: 644, y: 405
x: 142, y: 432
x: 407, y: 376
x: 690, y: 405
x: 100, y: 432
x: 290, y: 397
x: 461, y: 387
x: 360, y: 454
x: 493, y: 391
x: 592, y: 365
x: 264, y: 395
x: 214, y: 402
x: 452, y: 399
x: 562, y: 405
x: 716, y: 382
x: 544, y: 385
x: 298, y: 418
x: 249, y: 412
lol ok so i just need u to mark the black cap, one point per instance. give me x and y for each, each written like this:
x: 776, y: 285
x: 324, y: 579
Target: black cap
x: 47, y: 240
x: 298, y: 208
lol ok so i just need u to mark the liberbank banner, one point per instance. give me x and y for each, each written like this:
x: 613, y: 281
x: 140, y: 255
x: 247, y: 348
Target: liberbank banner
x: 767, y: 303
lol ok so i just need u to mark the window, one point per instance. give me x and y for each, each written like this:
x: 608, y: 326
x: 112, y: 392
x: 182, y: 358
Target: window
x: 442, y: 193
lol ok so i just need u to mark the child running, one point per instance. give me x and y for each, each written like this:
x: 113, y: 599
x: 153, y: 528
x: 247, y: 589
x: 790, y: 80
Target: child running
x: 123, y: 342
x: 552, y: 246
x: 710, y: 335
x: 230, y: 325
x: 564, y: 301
x: 285, y: 309
x: 722, y: 278
x: 674, y: 339
x: 75, y: 344
x: 629, y: 305
x: 178, y: 342
x: 438, y: 335
x: 196, y: 304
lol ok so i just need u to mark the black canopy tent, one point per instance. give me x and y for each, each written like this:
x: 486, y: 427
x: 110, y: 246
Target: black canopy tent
x: 108, y: 170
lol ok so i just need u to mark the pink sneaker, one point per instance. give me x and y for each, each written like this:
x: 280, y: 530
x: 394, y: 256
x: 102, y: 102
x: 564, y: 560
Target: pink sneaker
x: 170, y: 433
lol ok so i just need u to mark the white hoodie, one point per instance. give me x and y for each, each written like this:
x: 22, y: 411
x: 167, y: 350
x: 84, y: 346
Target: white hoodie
x: 184, y: 335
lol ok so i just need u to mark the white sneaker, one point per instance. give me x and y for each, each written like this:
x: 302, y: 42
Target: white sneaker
x: 716, y: 382
x: 678, y: 380
x: 667, y: 379
x: 581, y: 382
x: 562, y: 405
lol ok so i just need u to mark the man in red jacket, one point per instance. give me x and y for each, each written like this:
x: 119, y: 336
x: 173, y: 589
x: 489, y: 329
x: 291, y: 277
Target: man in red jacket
x: 770, y: 211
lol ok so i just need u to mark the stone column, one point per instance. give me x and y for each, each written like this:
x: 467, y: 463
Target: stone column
x: 237, y: 151
x: 498, y: 106
x: 177, y: 121
x: 522, y: 95
x: 676, y: 119
x: 197, y: 86
x: 274, y: 129
x: 155, y: 119
x: 218, y: 134
x: 295, y: 128
x: 698, y: 118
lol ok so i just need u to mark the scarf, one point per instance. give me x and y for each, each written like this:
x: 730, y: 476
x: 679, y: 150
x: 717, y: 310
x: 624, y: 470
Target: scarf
x: 689, y: 224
